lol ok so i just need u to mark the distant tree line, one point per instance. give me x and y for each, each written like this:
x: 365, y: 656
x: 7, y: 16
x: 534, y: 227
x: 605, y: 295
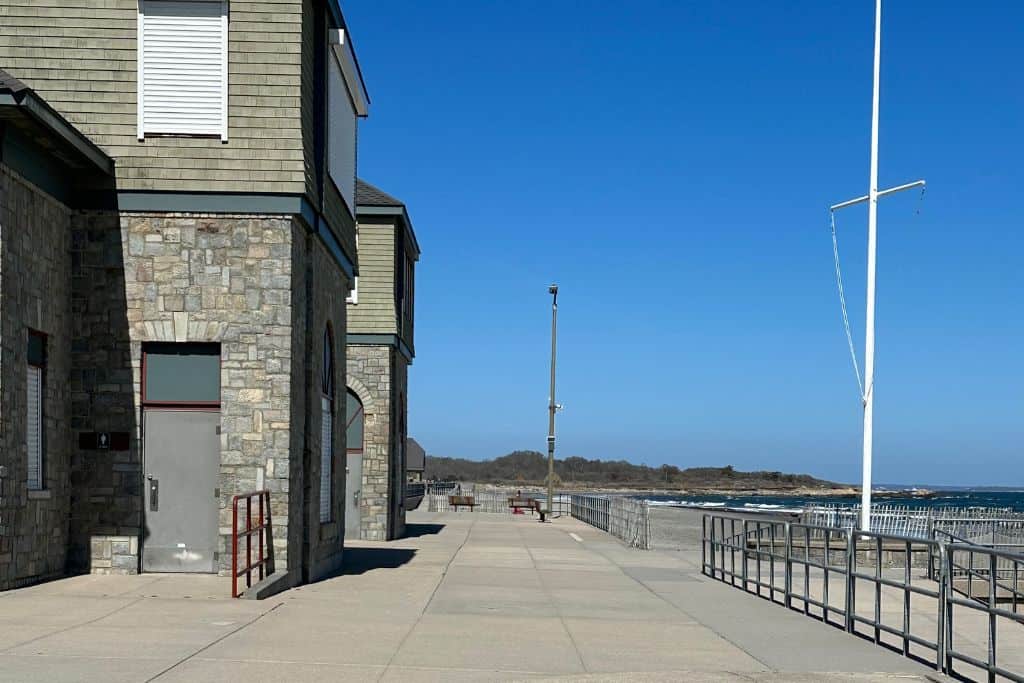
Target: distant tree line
x: 531, y: 467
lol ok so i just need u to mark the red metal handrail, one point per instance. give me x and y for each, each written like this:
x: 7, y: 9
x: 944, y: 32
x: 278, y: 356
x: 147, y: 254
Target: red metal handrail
x: 264, y: 564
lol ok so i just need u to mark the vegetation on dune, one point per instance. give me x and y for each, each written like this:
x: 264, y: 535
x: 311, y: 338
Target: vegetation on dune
x: 531, y: 467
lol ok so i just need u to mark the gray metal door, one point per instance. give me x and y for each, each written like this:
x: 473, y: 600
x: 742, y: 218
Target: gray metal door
x: 182, y: 452
x: 353, y: 492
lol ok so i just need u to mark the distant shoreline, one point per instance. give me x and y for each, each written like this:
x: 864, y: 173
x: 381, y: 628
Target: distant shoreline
x: 801, y: 492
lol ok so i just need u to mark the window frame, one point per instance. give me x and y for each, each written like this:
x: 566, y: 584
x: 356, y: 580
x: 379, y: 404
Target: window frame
x: 152, y: 348
x: 40, y: 485
x: 141, y: 72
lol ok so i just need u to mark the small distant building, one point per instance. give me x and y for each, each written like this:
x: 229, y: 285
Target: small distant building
x: 415, y: 461
x: 380, y: 351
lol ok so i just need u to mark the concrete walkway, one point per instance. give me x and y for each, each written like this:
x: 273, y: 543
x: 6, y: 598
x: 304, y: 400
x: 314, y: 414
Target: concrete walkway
x: 469, y: 596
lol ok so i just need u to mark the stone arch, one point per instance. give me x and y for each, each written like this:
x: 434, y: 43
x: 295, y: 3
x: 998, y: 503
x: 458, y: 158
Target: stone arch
x: 360, y: 390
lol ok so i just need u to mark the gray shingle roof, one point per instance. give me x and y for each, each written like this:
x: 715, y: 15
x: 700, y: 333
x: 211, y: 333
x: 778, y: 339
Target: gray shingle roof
x: 10, y: 83
x: 41, y: 119
x: 369, y: 195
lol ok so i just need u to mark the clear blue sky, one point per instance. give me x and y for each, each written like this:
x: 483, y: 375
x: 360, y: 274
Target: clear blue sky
x: 669, y: 164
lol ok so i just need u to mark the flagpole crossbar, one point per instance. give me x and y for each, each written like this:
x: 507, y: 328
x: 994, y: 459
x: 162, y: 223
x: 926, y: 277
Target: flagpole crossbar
x: 880, y: 193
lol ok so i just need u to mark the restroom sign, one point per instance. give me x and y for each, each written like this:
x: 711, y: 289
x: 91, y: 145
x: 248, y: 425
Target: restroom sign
x: 104, y: 441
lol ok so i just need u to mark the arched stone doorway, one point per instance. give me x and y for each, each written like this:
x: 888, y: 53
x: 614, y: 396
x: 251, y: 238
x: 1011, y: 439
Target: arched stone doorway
x: 355, y: 432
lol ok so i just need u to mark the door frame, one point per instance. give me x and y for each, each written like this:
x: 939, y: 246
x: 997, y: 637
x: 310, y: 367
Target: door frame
x: 184, y: 406
x: 360, y: 415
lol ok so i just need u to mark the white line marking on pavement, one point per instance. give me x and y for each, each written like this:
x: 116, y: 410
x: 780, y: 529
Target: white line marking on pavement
x: 576, y: 538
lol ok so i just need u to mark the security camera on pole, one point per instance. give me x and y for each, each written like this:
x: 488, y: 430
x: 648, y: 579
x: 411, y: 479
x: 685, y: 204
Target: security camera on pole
x: 868, y: 386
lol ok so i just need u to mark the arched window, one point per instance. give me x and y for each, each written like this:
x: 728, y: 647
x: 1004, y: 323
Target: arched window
x: 355, y: 418
x: 327, y: 428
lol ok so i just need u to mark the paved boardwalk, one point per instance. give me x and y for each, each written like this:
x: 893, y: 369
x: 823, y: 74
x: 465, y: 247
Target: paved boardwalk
x: 468, y: 596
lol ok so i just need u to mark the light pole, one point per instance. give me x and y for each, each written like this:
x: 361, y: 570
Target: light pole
x: 552, y: 406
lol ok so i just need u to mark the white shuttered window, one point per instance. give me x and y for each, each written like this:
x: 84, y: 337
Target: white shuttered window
x: 183, y: 67
x: 326, y: 456
x: 34, y: 433
x: 327, y: 429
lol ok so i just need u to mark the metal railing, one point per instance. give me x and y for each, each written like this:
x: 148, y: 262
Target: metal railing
x: 257, y: 524
x: 625, y: 518
x: 998, y: 574
x: 822, y: 571
x: 592, y: 510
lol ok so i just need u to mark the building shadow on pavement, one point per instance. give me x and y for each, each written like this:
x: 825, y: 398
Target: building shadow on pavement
x: 417, y: 530
x: 362, y: 560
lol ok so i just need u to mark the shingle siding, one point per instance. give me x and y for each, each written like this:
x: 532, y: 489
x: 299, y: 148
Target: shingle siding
x: 340, y: 220
x: 80, y: 55
x: 375, y: 313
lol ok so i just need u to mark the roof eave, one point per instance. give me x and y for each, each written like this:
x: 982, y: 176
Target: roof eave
x: 344, y: 50
x: 396, y: 211
x: 43, y: 114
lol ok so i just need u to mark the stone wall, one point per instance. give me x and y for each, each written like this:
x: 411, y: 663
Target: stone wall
x: 382, y: 512
x: 400, y: 392
x: 182, y: 278
x: 35, y: 280
x: 319, y: 294
x: 106, y: 489
x: 103, y: 284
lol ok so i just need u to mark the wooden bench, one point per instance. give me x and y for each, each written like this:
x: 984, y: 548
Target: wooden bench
x: 531, y: 504
x: 464, y: 501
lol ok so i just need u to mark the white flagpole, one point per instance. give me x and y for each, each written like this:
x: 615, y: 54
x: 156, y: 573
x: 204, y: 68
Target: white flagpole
x: 869, y: 342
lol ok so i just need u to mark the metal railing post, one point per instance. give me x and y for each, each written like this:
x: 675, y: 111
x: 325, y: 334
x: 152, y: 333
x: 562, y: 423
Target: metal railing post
x: 746, y: 555
x: 757, y: 554
x: 269, y: 538
x: 950, y: 554
x: 906, y: 601
x: 851, y: 588
x: 940, y: 640
x: 721, y: 547
x: 248, y: 540
x: 260, y: 549
x: 788, y: 568
x: 878, y: 589
x: 732, y: 551
x: 992, y: 614
x: 234, y: 548
x: 824, y: 586
x: 704, y: 544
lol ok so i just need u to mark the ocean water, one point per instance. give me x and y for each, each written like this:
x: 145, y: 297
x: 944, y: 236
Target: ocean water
x: 1013, y: 500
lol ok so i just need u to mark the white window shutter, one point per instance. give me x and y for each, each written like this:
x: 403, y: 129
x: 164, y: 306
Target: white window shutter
x: 353, y: 297
x: 183, y: 67
x: 34, y: 433
x: 326, y: 457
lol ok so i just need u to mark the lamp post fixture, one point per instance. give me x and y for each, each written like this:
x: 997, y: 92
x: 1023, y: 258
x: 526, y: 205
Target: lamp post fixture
x: 552, y: 406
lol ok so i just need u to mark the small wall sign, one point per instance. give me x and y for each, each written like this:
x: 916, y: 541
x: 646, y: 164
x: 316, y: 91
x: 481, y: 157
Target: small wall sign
x: 103, y: 441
